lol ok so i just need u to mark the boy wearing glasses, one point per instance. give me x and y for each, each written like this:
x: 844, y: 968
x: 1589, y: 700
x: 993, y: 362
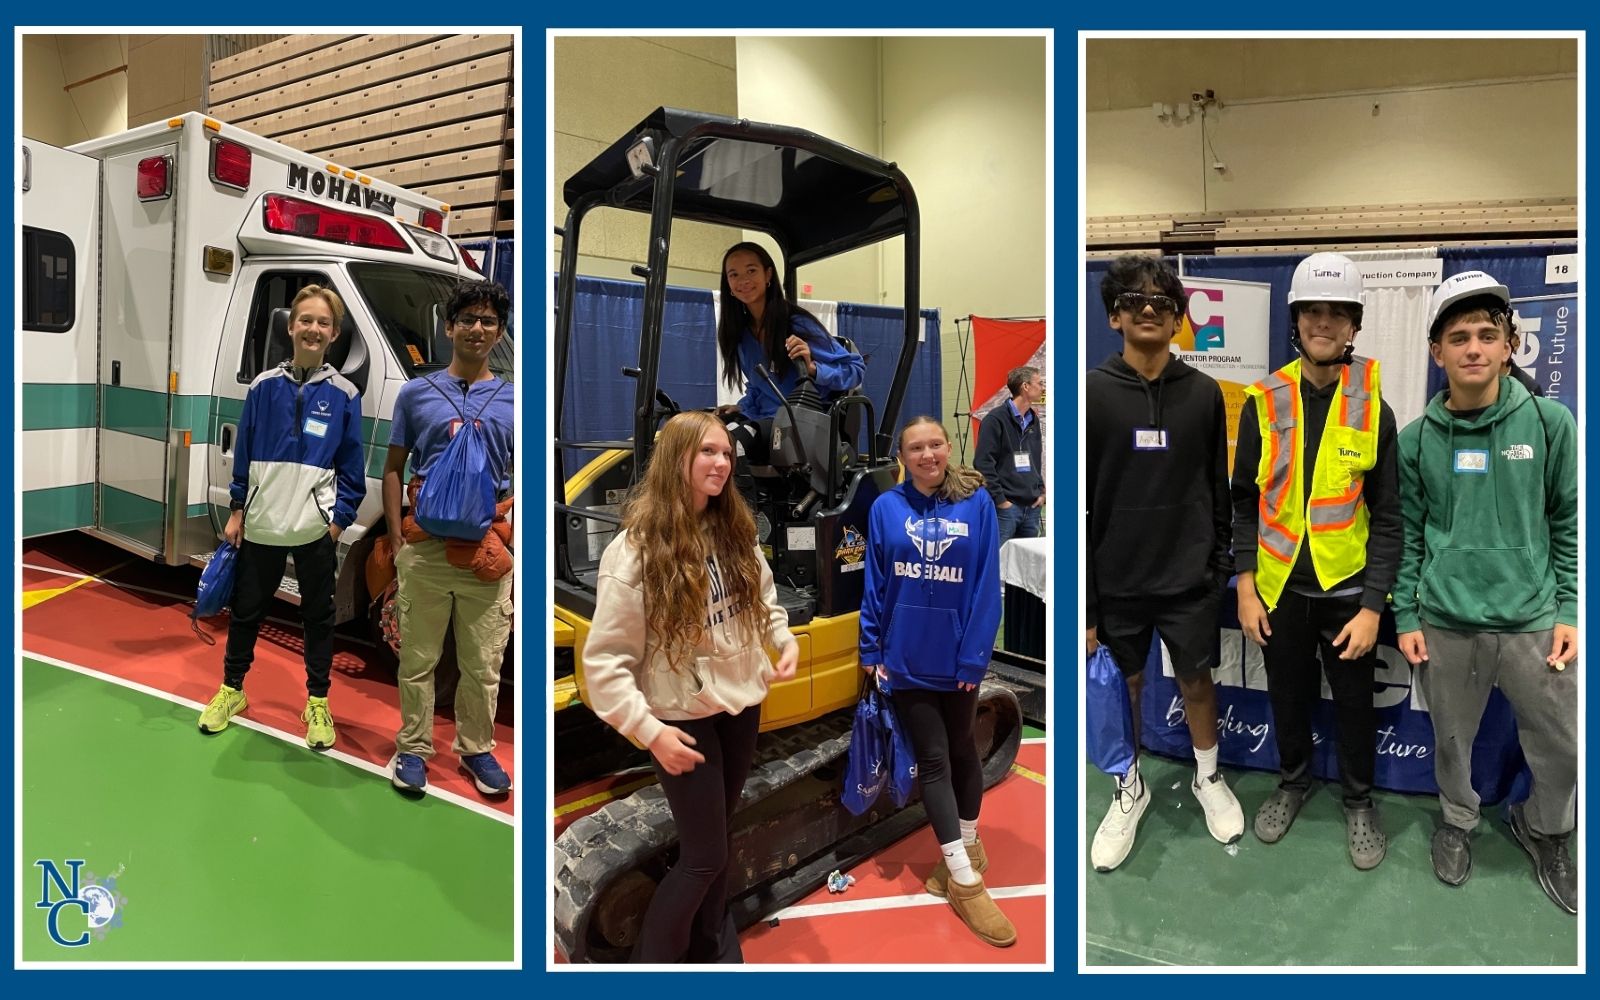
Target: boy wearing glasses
x: 1316, y: 528
x: 1159, y: 525
x: 433, y: 592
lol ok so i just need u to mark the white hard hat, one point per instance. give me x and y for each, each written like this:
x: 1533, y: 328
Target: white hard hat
x: 1326, y: 277
x: 1466, y: 285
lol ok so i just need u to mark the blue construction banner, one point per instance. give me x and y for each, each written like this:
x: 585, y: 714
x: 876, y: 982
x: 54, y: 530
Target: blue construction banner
x: 1548, y: 328
x: 1245, y: 736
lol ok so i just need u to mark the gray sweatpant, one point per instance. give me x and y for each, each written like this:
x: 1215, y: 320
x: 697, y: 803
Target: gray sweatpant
x: 1462, y: 668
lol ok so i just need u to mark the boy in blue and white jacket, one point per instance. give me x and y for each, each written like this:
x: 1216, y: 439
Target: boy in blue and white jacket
x: 929, y: 612
x: 298, y: 477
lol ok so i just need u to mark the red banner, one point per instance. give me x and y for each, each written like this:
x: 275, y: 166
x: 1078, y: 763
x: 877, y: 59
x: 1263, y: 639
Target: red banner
x: 998, y: 346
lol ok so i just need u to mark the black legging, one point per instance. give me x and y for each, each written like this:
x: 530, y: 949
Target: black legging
x: 940, y: 725
x: 688, y: 919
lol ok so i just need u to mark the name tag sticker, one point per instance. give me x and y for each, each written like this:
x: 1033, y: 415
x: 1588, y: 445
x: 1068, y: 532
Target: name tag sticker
x: 1022, y: 461
x: 316, y: 428
x: 1149, y: 439
x: 955, y: 529
x: 1472, y: 461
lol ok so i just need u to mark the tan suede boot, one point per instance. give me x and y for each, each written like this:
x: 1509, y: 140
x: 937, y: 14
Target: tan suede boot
x: 941, y: 874
x: 973, y: 905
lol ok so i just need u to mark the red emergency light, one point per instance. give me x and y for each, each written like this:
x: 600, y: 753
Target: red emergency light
x: 230, y: 164
x: 297, y: 217
x: 433, y: 220
x: 155, y: 178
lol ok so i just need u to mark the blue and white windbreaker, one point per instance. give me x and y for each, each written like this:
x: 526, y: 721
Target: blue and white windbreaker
x: 297, y: 461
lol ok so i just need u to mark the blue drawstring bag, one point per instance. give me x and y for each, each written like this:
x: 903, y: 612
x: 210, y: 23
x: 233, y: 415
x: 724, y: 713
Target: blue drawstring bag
x: 901, y: 756
x: 215, y: 590
x: 457, y: 499
x: 866, y: 767
x: 1108, y: 715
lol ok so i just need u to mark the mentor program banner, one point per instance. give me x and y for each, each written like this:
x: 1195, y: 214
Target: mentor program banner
x: 1226, y: 334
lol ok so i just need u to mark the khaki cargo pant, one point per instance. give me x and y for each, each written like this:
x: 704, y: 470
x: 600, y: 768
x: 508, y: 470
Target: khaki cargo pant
x: 432, y: 594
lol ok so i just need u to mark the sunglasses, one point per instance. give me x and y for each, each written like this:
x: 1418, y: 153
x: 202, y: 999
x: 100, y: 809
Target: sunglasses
x: 1136, y: 302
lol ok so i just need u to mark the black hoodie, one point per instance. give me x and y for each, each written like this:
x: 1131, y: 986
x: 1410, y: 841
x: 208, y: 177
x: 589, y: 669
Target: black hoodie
x: 1159, y: 522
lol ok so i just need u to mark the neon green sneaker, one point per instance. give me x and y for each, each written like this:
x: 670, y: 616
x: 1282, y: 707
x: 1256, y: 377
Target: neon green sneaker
x: 319, y: 724
x: 224, y: 705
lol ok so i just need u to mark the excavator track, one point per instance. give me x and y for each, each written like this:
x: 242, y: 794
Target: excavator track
x: 790, y: 831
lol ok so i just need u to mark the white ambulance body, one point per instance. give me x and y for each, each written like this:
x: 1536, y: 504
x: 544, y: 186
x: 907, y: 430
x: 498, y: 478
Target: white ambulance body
x: 157, y: 270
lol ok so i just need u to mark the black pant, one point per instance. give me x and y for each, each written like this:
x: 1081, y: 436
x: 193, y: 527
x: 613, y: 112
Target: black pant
x: 256, y: 576
x: 688, y: 918
x: 940, y: 726
x: 1301, y: 628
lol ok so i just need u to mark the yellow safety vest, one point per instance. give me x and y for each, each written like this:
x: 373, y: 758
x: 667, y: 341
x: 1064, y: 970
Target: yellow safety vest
x: 1336, y: 510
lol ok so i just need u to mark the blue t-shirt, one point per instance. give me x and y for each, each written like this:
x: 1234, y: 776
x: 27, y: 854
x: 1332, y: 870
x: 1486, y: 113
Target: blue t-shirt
x: 424, y: 420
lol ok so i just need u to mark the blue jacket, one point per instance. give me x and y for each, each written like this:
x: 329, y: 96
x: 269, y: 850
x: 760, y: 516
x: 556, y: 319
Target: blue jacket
x: 837, y: 369
x: 932, y: 600
x: 294, y: 443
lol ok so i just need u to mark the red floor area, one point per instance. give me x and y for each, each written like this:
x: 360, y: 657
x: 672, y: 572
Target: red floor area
x: 834, y: 929
x: 146, y: 637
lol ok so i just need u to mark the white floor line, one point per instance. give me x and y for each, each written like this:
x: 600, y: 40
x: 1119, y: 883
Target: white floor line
x: 343, y: 637
x: 893, y: 903
x: 365, y: 765
x: 1034, y: 739
x: 1122, y: 951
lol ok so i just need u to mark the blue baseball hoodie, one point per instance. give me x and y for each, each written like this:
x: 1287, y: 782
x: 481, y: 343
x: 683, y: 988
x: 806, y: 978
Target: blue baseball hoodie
x: 932, y: 600
x: 295, y: 441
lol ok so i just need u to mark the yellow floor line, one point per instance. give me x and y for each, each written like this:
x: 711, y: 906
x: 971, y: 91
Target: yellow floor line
x: 1030, y: 775
x: 34, y: 598
x: 605, y: 796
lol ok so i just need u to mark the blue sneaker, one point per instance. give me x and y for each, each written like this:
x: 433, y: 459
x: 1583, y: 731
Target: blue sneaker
x: 486, y: 773
x: 409, y: 772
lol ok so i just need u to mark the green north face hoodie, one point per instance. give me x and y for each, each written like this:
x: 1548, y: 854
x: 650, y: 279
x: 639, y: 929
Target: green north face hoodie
x: 1491, y: 517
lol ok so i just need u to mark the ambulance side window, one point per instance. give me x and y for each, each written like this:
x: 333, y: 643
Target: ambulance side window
x: 267, y: 344
x: 49, y: 280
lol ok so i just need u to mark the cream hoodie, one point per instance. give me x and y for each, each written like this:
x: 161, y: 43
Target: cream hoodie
x: 630, y: 684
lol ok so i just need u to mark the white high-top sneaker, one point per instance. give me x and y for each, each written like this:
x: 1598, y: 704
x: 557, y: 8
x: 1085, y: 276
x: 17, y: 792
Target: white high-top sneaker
x: 1114, y: 838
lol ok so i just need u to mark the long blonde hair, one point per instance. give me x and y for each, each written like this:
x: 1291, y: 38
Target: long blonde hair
x: 960, y: 481
x: 674, y: 542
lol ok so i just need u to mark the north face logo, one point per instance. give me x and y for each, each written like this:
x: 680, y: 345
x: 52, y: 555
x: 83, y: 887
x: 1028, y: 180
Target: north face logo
x: 1518, y: 451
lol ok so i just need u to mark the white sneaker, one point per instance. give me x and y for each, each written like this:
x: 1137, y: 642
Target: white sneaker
x: 1224, y: 818
x: 1114, y: 839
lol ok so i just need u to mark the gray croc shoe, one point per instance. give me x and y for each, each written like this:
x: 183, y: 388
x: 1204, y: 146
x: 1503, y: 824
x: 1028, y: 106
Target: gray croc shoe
x: 1277, y: 813
x: 1368, y: 843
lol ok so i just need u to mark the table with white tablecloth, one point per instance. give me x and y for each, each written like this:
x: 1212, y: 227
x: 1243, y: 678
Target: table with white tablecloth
x: 1025, y: 572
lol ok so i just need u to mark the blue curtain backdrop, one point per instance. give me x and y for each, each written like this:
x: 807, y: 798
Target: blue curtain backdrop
x: 607, y: 315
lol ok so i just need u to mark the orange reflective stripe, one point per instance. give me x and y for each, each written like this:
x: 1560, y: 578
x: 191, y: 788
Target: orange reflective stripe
x: 1355, y: 397
x: 1276, y: 540
x: 1280, y: 473
x: 1333, y: 513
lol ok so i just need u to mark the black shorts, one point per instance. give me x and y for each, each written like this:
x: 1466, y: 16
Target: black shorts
x: 1188, y: 625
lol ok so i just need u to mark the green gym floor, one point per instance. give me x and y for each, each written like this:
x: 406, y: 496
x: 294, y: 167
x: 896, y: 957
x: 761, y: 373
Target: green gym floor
x: 1181, y: 898
x: 246, y: 845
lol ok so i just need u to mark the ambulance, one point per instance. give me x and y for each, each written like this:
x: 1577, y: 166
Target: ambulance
x: 158, y: 266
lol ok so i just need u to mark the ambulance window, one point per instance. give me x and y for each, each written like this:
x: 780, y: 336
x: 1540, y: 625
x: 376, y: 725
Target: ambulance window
x: 49, y: 280
x: 266, y: 343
